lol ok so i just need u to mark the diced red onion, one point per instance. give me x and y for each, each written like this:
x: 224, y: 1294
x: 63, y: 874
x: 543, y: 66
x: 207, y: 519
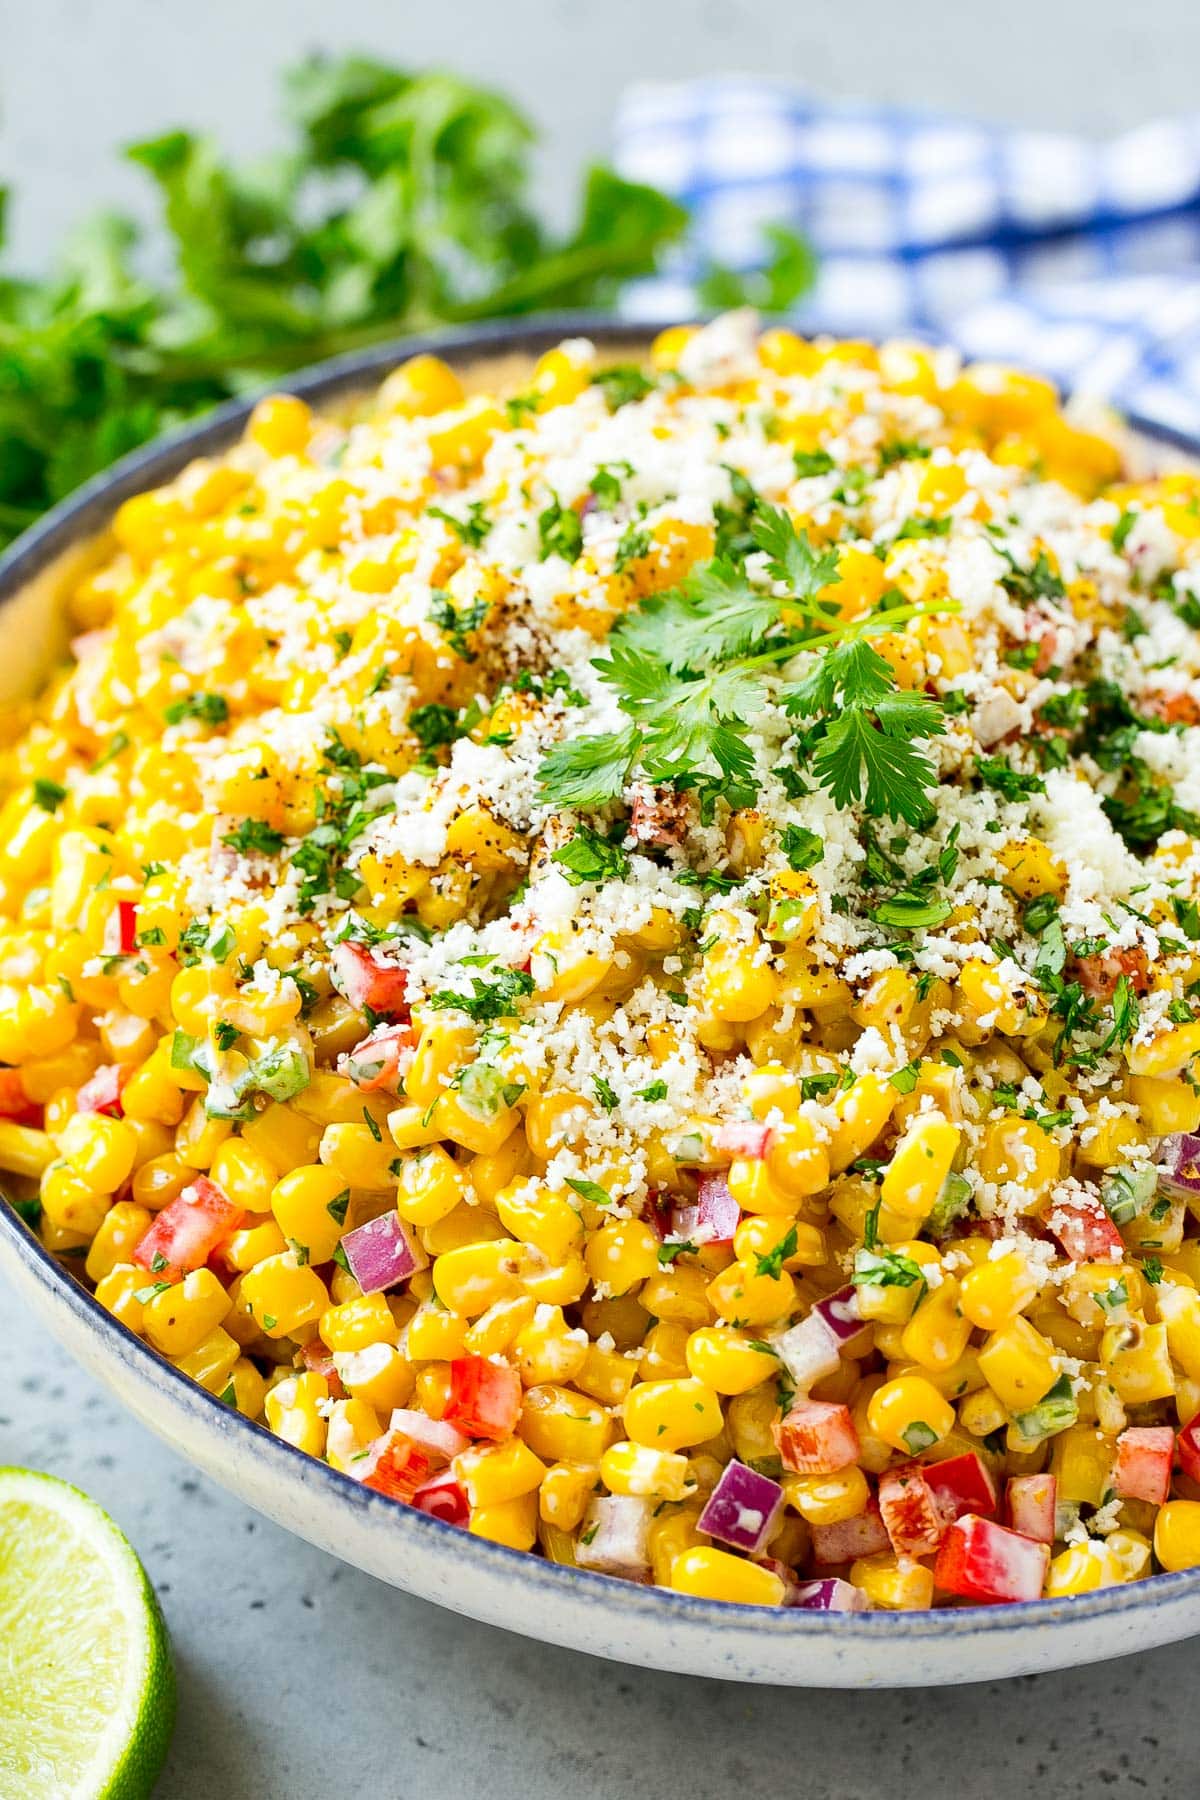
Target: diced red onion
x: 714, y: 1217
x: 830, y: 1595
x: 840, y: 1313
x: 1181, y: 1157
x: 381, y: 1254
x: 615, y: 1536
x: 743, y: 1508
x: 809, y: 1351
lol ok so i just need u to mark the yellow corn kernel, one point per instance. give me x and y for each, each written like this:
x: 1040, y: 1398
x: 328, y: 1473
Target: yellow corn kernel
x: 726, y: 1360
x: 494, y: 1473
x: 283, y: 1296
x: 378, y: 1374
x: 120, y: 1231
x: 117, y: 1293
x: 680, y: 1294
x: 629, y: 1468
x: 291, y: 1411
x: 211, y: 1362
x: 181, y: 1316
x: 896, y: 1305
x: 713, y: 1574
x: 828, y: 1499
x: 537, y: 1215
x: 352, y: 1425
x: 511, y: 1522
x: 366, y: 1319
x: 280, y: 424
x: 798, y: 1161
x: 988, y: 1004
x: 253, y: 1244
x: 1179, y: 1311
x: 69, y: 1204
x: 671, y: 1415
x: 1177, y: 1534
x: 476, y: 1276
x: 546, y: 1349
x: 862, y: 1111
x: 744, y: 1296
x: 565, y: 1492
x: 1017, y: 1365
x: 1082, y: 1568
x: 621, y: 1254
x: 981, y: 1413
x: 994, y: 1292
x: 433, y: 1332
x: 1168, y: 1052
x: 421, y: 386
x: 1166, y: 1103
x: 430, y: 1187
x: 1031, y: 868
x: 938, y: 1332
x: 738, y: 982
x: 909, y: 1414
x: 309, y: 1205
x: 894, y: 1583
x: 607, y: 1375
x: 357, y: 1157
x: 560, y: 1425
x: 1081, y: 1460
x: 1136, y: 1359
x: 920, y: 1164
x: 24, y: 1150
x: 245, y: 1175
x: 100, y: 1150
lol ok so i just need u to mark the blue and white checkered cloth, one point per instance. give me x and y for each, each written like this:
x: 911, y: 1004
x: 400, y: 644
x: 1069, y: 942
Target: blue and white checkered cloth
x: 1081, y: 259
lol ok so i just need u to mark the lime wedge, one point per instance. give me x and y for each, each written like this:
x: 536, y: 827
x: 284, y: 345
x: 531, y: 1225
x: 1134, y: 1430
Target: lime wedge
x: 87, y: 1690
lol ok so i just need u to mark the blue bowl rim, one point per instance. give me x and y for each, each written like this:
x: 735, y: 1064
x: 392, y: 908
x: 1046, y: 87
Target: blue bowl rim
x: 82, y: 516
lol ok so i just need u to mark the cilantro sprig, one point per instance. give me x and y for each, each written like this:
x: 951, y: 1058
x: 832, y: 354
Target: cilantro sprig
x: 691, y: 669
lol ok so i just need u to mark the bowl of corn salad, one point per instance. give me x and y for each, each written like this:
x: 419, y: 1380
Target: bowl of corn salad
x: 600, y: 976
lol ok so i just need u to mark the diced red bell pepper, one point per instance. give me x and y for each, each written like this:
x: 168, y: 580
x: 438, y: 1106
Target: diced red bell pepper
x: 1187, y: 1448
x: 398, y: 1466
x: 713, y: 1219
x: 986, y: 1562
x: 961, y: 1484
x: 443, y: 1498
x: 817, y: 1437
x: 188, y: 1230
x: 1143, y: 1467
x: 848, y: 1539
x: 744, y: 1138
x: 909, y: 1510
x: 101, y: 1092
x: 377, y: 1061
x: 485, y: 1398
x: 120, y: 929
x: 15, y: 1103
x: 1032, y: 1505
x: 366, y: 982
x: 1085, y: 1231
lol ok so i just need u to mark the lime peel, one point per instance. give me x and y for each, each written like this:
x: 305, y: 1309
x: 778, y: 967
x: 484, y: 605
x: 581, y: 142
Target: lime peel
x: 87, y: 1687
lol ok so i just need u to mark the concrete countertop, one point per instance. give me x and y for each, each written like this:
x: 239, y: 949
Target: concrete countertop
x: 300, y: 1678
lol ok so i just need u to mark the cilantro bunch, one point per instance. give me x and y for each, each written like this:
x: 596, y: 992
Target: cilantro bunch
x: 401, y: 203
x: 692, y: 668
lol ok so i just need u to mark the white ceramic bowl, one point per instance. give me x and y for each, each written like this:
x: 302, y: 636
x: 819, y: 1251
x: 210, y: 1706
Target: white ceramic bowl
x: 618, y: 1619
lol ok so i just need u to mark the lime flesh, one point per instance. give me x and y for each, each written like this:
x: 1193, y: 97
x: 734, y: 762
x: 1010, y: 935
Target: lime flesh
x: 87, y: 1690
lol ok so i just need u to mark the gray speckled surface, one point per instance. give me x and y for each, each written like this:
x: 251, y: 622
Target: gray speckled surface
x: 302, y: 1679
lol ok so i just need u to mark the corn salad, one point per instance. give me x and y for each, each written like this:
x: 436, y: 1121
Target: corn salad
x: 620, y: 960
